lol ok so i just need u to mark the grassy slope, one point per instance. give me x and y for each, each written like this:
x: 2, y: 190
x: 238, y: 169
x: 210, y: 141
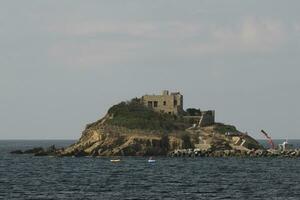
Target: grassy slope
x: 134, y: 115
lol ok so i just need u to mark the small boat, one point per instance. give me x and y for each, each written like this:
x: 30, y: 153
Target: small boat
x: 151, y: 160
x: 115, y: 160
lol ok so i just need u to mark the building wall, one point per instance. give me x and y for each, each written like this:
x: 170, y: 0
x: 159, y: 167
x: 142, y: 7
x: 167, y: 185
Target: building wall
x: 167, y: 103
x: 208, y: 118
x: 205, y: 119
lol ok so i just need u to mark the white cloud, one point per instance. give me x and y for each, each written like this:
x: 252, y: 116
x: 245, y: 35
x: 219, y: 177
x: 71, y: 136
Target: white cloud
x: 252, y: 35
x: 92, y: 28
x: 119, y: 42
x: 92, y: 53
x: 146, y: 30
x: 103, y: 43
x: 262, y: 34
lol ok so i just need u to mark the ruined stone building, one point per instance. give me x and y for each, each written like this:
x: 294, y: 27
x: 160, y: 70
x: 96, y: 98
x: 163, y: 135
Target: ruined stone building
x: 166, y: 103
x: 172, y: 103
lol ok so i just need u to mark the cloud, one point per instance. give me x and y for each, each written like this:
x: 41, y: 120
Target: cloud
x: 114, y: 42
x: 145, y: 29
x: 252, y: 35
x: 103, y: 43
x: 262, y: 34
x: 92, y: 53
x: 93, y: 28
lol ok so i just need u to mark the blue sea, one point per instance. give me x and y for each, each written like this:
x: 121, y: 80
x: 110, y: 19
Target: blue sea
x: 29, y: 177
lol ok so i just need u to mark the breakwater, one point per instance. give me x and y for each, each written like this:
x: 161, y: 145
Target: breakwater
x: 234, y: 153
x: 292, y: 153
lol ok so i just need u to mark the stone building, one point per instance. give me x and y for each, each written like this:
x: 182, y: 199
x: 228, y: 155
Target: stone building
x: 172, y: 103
x: 166, y: 103
x: 205, y: 118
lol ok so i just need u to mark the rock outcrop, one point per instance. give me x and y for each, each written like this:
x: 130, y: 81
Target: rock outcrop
x: 131, y: 129
x: 103, y: 139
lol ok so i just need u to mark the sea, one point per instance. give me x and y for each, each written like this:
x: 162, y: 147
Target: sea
x: 29, y: 177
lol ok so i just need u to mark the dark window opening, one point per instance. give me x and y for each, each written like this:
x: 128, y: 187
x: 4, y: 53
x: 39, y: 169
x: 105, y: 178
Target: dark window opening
x: 155, y: 104
x: 150, y: 104
x: 165, y: 103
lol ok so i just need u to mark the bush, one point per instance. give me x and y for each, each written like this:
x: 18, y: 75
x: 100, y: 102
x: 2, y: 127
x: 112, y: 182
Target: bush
x: 193, y: 112
x: 221, y: 128
x: 134, y: 115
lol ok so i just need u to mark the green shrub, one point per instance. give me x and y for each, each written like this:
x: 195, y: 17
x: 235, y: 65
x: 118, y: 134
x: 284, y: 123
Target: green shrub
x: 193, y: 112
x: 134, y: 115
x: 222, y: 128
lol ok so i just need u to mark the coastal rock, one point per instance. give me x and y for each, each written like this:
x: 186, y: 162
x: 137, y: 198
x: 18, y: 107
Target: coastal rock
x: 133, y: 129
x: 17, y: 152
x: 34, y: 150
x: 107, y: 140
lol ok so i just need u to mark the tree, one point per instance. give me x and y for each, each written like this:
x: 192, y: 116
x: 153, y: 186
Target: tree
x: 193, y: 112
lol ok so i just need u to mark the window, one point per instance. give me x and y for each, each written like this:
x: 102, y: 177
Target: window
x: 155, y: 104
x: 165, y: 103
x: 150, y: 104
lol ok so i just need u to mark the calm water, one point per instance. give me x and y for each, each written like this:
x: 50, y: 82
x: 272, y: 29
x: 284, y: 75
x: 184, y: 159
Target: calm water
x: 28, y: 177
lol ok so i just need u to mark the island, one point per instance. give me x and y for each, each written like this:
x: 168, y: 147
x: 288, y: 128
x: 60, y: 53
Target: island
x: 157, y: 125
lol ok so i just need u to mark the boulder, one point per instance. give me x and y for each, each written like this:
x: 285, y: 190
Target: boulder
x: 80, y: 153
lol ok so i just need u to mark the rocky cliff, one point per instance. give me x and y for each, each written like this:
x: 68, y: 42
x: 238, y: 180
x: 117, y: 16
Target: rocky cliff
x: 106, y: 140
x: 129, y: 129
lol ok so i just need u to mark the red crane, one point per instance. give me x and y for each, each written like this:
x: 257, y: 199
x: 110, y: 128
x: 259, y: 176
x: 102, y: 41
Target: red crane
x: 269, y: 139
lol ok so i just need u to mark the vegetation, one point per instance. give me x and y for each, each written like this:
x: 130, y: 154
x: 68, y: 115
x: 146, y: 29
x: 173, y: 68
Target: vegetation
x: 222, y: 128
x: 134, y: 115
x: 193, y: 112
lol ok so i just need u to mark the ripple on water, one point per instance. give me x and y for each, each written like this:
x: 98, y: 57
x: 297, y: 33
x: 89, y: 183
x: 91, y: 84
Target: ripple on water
x: 27, y: 177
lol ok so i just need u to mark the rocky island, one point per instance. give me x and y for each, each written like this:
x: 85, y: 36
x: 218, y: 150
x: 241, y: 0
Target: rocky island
x: 157, y: 125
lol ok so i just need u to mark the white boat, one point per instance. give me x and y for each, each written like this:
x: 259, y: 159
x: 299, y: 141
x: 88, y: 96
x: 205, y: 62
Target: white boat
x: 115, y: 160
x: 151, y: 160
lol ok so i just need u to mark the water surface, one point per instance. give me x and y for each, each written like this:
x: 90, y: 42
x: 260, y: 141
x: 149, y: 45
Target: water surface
x: 28, y: 177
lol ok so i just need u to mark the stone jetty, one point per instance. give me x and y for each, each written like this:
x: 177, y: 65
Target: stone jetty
x: 234, y: 153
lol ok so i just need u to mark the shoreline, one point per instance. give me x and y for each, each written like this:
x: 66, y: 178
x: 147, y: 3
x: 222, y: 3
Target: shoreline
x: 54, y: 152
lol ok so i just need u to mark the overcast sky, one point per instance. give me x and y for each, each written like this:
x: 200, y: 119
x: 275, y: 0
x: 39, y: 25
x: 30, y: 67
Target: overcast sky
x: 63, y: 63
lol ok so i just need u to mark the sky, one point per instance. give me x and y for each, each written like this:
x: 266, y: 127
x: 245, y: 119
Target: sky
x: 63, y: 63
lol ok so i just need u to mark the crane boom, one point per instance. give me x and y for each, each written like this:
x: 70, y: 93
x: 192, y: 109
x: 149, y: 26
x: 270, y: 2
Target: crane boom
x: 269, y: 139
